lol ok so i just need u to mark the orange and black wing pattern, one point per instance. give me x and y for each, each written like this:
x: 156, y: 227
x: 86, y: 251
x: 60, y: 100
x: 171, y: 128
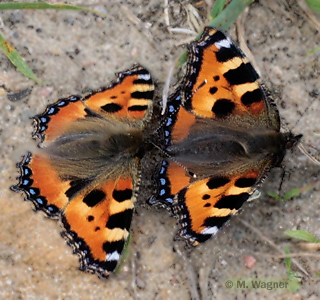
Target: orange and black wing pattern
x: 97, y: 223
x: 86, y: 172
x: 221, y: 83
x: 221, y: 137
x: 204, y: 206
x: 129, y: 98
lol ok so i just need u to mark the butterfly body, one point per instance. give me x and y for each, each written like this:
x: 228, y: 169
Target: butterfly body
x: 86, y: 172
x: 94, y: 146
x: 223, y: 147
x: 221, y: 135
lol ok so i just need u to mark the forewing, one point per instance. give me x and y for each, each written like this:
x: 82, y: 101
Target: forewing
x: 221, y: 83
x: 129, y: 99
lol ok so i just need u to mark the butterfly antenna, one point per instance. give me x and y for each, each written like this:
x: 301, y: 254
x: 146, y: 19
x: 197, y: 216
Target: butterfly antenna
x: 315, y: 160
x: 314, y: 99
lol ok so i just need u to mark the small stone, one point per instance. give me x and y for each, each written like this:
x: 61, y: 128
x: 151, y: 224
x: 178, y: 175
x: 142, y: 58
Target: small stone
x: 250, y: 261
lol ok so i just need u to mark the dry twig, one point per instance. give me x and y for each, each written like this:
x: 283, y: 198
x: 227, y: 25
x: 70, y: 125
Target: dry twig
x: 272, y: 244
x: 190, y: 272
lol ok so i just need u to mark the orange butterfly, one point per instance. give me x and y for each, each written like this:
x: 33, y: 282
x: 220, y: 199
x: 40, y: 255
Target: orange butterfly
x: 221, y: 134
x: 87, y: 172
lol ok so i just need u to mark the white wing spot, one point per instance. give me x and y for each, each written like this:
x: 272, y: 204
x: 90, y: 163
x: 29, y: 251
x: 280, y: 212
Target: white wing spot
x: 223, y: 43
x: 210, y: 230
x: 144, y: 76
x: 113, y: 256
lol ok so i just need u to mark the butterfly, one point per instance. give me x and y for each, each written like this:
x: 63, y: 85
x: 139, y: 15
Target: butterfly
x: 86, y: 172
x: 221, y: 136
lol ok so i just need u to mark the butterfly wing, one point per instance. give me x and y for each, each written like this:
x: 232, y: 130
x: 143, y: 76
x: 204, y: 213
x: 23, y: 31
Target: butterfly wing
x: 171, y: 176
x: 211, y: 133
x: 204, y: 206
x: 129, y: 97
x: 220, y: 83
x: 97, y: 222
x: 86, y: 173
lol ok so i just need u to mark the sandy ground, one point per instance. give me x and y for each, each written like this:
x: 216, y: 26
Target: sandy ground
x: 77, y: 51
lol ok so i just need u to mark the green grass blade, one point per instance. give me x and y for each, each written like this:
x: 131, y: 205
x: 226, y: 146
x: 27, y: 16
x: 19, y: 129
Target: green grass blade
x: 302, y: 235
x: 11, y: 52
x: 314, y: 5
x: 288, y: 260
x: 222, y: 21
x: 125, y: 254
x: 43, y: 5
x: 16, y: 59
x: 274, y: 195
x: 312, y: 51
x: 293, y: 282
x: 293, y: 193
x: 230, y: 14
x: 217, y: 8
